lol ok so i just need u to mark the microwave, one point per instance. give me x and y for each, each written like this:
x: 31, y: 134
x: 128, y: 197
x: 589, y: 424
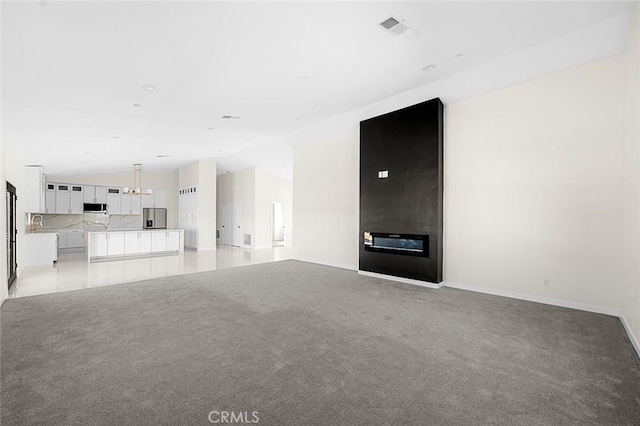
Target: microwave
x: 94, y: 208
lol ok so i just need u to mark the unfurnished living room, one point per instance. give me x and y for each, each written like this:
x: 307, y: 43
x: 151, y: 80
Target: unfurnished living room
x: 320, y: 212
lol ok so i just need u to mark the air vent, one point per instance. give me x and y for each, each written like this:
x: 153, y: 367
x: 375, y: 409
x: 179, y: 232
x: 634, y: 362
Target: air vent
x: 231, y: 117
x: 394, y: 26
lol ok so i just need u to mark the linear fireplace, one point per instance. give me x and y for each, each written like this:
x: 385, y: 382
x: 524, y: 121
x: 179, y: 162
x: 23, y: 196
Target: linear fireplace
x: 408, y: 244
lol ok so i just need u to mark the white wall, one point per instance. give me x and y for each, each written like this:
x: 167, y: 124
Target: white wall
x: 326, y: 201
x: 630, y: 291
x: 533, y: 188
x: 166, y: 180
x: 270, y: 189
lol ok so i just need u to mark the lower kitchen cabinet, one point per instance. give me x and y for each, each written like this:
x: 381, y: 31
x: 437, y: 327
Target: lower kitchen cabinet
x: 134, y: 243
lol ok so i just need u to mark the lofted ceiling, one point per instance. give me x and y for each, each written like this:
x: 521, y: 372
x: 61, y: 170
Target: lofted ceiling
x: 73, y: 72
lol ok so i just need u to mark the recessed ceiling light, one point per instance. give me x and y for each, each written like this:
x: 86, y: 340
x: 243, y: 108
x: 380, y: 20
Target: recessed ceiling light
x: 459, y: 55
x: 114, y: 137
x: 429, y: 68
x: 210, y: 128
x: 149, y: 87
x: 321, y: 110
x: 137, y: 105
x: 304, y: 77
x: 162, y: 156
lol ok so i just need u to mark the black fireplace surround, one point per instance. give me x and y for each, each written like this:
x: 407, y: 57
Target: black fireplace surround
x: 401, y: 187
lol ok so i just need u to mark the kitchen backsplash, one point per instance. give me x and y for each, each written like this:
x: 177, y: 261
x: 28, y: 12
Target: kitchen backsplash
x: 91, y: 221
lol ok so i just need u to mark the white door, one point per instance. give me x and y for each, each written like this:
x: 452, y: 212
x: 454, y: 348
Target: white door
x: 158, y: 241
x: 113, y: 201
x: 225, y: 233
x: 144, y: 245
x: 98, y: 244
x: 278, y: 223
x: 101, y: 194
x: 236, y: 224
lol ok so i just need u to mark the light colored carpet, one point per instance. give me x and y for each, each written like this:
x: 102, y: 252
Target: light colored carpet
x: 307, y: 344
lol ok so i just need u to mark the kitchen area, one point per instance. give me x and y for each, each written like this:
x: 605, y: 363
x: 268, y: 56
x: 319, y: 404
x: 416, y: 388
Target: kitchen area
x: 95, y: 224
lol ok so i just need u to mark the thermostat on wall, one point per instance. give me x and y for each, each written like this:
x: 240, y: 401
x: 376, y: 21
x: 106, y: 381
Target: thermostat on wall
x: 383, y: 174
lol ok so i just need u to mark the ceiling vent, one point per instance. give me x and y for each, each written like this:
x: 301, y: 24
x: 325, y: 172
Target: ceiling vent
x: 394, y: 26
x: 231, y: 117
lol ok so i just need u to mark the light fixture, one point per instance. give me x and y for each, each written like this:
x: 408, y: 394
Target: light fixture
x: 137, y: 183
x: 137, y: 105
x: 114, y: 137
x: 429, y: 68
x: 162, y: 156
x: 210, y: 128
x: 149, y: 87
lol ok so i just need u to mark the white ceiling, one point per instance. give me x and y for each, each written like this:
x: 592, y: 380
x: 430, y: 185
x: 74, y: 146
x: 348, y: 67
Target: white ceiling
x: 292, y: 71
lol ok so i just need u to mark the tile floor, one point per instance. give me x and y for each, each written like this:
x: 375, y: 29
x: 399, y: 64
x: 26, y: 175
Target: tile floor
x: 73, y: 272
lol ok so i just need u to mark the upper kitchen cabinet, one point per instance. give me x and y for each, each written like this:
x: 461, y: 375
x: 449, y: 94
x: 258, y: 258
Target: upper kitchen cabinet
x: 130, y: 204
x: 34, y: 197
x: 114, y: 203
x: 95, y: 194
x: 50, y: 198
x: 69, y: 199
x: 63, y: 198
x: 76, y: 204
x: 157, y: 199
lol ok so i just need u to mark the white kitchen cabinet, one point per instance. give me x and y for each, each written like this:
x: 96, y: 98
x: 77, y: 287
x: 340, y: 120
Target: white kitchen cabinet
x: 50, y: 198
x: 157, y: 199
x: 173, y: 240
x: 75, y: 238
x: 98, y: 244
x: 95, y: 194
x: 130, y: 204
x: 114, y: 204
x: 137, y: 242
x: 159, y: 241
x: 145, y: 242
x: 76, y: 202
x: 131, y: 242
x: 34, y: 183
x: 115, y: 243
x: 62, y: 239
x: 63, y: 198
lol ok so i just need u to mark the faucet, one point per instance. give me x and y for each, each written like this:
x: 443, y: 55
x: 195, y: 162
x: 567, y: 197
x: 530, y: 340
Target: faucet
x: 32, y: 225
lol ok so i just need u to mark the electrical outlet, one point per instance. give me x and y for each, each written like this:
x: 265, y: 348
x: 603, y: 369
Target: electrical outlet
x: 546, y: 282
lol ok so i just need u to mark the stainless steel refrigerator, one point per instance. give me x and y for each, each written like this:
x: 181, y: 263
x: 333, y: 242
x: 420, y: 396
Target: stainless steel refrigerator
x: 154, y: 218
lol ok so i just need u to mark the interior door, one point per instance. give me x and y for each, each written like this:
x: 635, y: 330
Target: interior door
x: 226, y: 225
x: 236, y: 224
x: 278, y: 224
x: 12, y: 233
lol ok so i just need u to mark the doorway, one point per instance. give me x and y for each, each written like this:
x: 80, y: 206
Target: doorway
x: 277, y: 226
x: 12, y: 234
x: 236, y: 224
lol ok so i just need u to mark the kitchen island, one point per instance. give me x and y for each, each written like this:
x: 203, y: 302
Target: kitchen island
x: 106, y: 245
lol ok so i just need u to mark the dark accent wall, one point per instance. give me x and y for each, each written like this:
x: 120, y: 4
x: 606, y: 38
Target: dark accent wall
x: 409, y: 144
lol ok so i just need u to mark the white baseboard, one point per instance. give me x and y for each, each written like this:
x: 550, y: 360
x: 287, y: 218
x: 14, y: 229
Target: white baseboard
x: 401, y: 279
x: 533, y: 298
x: 634, y: 340
x: 333, y: 265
